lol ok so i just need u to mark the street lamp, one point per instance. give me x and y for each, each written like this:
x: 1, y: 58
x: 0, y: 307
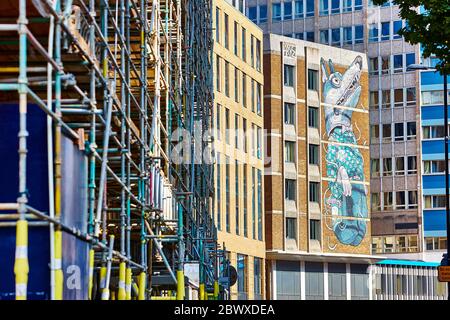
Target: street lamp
x: 421, y: 67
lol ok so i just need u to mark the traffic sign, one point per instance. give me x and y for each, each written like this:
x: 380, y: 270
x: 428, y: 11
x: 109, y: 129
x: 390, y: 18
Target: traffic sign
x: 444, y: 273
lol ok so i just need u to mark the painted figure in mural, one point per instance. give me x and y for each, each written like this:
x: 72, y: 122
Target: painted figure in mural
x: 345, y: 164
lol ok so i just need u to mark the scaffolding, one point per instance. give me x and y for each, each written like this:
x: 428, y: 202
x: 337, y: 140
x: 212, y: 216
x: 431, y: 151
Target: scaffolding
x: 123, y: 81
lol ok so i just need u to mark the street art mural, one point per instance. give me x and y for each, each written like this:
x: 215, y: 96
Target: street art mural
x: 346, y: 196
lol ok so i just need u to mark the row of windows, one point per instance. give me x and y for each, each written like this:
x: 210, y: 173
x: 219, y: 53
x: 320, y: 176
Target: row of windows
x: 435, y: 97
x: 307, y: 35
x: 433, y: 132
x: 392, y: 64
x: 290, y: 115
x: 397, y: 98
x: 240, y: 39
x: 402, y: 131
x: 327, y: 7
x: 342, y: 36
x: 289, y: 77
x: 289, y: 10
x: 291, y: 229
x: 242, y: 269
x: 395, y: 244
x: 435, y: 243
x: 384, y: 31
x: 384, y: 201
x: 240, y: 132
x: 434, y: 202
x: 387, y: 168
x: 241, y: 182
x: 241, y: 84
x: 289, y: 153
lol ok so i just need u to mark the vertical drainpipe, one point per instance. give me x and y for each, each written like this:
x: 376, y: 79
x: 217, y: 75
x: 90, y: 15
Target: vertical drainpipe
x: 21, y: 266
x: 59, y: 277
x: 92, y: 147
x: 180, y: 271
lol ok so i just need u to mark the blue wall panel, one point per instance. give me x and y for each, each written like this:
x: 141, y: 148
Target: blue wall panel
x: 434, y: 220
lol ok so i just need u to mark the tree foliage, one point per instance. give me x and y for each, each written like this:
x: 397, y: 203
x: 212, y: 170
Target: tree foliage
x: 431, y: 28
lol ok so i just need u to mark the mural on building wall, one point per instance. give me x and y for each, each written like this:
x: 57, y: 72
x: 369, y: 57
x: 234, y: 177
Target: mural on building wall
x: 346, y: 196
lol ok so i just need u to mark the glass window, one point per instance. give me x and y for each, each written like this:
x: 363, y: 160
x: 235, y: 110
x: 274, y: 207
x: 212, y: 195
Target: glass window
x: 257, y: 278
x: 227, y: 193
x: 289, y: 151
x: 287, y: 10
x: 218, y: 193
x: 288, y: 75
x: 399, y: 166
x: 236, y: 128
x: 258, y: 98
x: 398, y: 63
x: 236, y: 188
x: 397, y: 27
x: 291, y: 228
x: 218, y: 75
x: 335, y: 6
x: 389, y: 245
x: 226, y: 31
x: 218, y: 25
x: 276, y: 11
x: 242, y: 276
x: 258, y: 55
x: 236, y: 84
x: 411, y: 130
x: 348, y: 37
x: 227, y: 126
x: 387, y: 166
x: 375, y: 202
x: 289, y: 191
x: 359, y: 34
x: 289, y: 113
x: 398, y: 97
x: 358, y: 5
x: 312, y: 80
x: 400, y: 200
x: 313, y: 117
x: 385, y: 64
x: 262, y: 13
x: 299, y: 9
x: 313, y: 154
x: 310, y: 36
x: 336, y: 37
x: 314, y: 192
x: 387, y: 132
x: 373, y: 100
x: 399, y: 131
x: 412, y: 199
x: 252, y: 13
x: 412, y: 165
x: 323, y: 9
x: 385, y: 30
x: 373, y: 66
x: 374, y: 133
x: 244, y: 90
x: 411, y: 96
x: 346, y: 5
x: 373, y: 33
x: 314, y: 229
x: 410, y: 59
x: 227, y: 78
x: 236, y: 37
x: 375, y: 167
x: 324, y: 38
x: 310, y: 8
x: 386, y: 98
x: 244, y: 44
x: 387, y: 197
x: 298, y: 35
x: 218, y: 121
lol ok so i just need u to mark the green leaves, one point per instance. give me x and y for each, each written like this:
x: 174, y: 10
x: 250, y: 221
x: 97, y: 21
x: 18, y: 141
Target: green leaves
x: 428, y: 23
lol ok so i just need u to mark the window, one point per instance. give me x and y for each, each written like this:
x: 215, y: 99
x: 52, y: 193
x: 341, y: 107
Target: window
x: 410, y: 59
x: 218, y: 75
x: 218, y: 25
x: 244, y: 127
x: 299, y: 9
x: 375, y: 167
x: 335, y: 6
x: 236, y: 130
x: 314, y: 193
x: 387, y: 197
x: 260, y: 231
x: 310, y: 8
x: 291, y: 228
x: 398, y: 63
x: 385, y: 64
x: 245, y: 192
x: 412, y: 165
x: 398, y: 97
x: 236, y: 38
x: 399, y: 131
x: 254, y: 202
x: 262, y: 13
x: 389, y: 245
x: 244, y: 44
x: 358, y: 5
x: 258, y: 55
x: 336, y: 37
x: 227, y: 126
x: 373, y: 33
x: 377, y: 245
x: 313, y: 154
x: 373, y: 66
x: 287, y: 10
x: 236, y: 185
x: 374, y: 133
x: 359, y: 34
x: 399, y: 166
x: 385, y: 30
x: 323, y: 8
x: 373, y: 100
x: 310, y: 36
x: 313, y: 117
x: 289, y: 113
x: 433, y: 166
x: 434, y: 202
x: 252, y: 50
x: 386, y: 98
x: 314, y: 229
x: 258, y: 142
x: 397, y: 25
x: 411, y: 130
x: 346, y: 5
x: 324, y: 38
x: 227, y: 78
x: 433, y: 132
x: 387, y: 132
x: 252, y: 14
x: 298, y: 35
x: 257, y: 278
x: 289, y: 191
x: 236, y: 84
x: 412, y: 199
x: 253, y: 97
x: 289, y: 151
x: 400, y: 200
x: 226, y: 31
x: 375, y: 203
x: 244, y: 90
x: 258, y: 98
x: 218, y: 120
x: 312, y: 80
x: 387, y: 166
x: 348, y: 37
x: 276, y: 11
x: 411, y: 96
x: 242, y: 276
x: 288, y: 75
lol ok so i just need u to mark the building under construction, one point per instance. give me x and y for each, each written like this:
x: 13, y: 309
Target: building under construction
x: 96, y: 97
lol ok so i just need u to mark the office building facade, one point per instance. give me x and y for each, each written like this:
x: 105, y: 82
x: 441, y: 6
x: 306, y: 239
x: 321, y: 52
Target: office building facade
x: 238, y: 120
